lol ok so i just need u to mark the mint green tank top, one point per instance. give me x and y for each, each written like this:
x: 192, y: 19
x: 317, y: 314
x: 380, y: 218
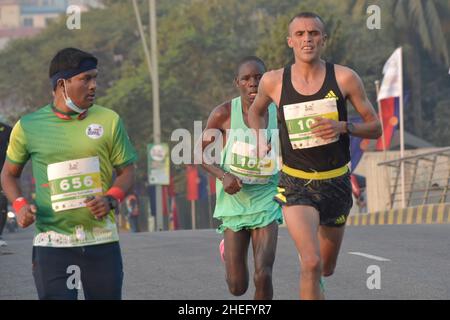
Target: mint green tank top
x: 259, y: 177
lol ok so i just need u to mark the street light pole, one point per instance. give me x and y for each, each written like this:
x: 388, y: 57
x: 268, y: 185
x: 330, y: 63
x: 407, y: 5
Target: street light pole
x: 142, y: 35
x: 155, y: 77
x: 155, y: 95
x: 152, y: 64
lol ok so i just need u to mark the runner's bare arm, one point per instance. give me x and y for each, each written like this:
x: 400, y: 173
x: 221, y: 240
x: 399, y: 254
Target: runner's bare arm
x: 258, y: 109
x: 10, y: 179
x: 353, y: 89
x: 99, y: 206
x: 214, y: 133
x: 125, y: 178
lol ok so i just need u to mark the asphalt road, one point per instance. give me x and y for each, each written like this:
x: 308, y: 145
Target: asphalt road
x: 395, y: 261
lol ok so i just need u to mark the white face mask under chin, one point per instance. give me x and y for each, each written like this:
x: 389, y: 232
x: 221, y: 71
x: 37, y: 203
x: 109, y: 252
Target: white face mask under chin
x: 69, y: 103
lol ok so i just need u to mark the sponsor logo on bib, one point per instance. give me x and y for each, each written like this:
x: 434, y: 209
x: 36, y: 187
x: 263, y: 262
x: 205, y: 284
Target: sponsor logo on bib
x: 94, y: 131
x: 309, y: 107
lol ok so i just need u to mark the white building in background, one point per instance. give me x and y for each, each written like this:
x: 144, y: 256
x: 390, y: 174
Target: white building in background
x: 9, y: 14
x: 379, y: 179
x: 24, y: 18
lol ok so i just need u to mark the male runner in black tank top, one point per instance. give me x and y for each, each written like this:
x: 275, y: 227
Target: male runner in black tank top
x: 315, y: 188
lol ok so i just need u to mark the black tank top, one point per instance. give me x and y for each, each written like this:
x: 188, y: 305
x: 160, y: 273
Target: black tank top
x: 321, y: 158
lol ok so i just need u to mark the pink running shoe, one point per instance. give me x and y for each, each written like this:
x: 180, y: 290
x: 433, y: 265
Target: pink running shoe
x: 222, y: 250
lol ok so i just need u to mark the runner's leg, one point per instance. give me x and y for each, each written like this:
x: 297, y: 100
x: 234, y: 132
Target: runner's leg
x: 330, y: 239
x: 336, y: 205
x: 236, y: 252
x: 51, y: 273
x: 102, y: 272
x: 303, y: 223
x: 264, y: 242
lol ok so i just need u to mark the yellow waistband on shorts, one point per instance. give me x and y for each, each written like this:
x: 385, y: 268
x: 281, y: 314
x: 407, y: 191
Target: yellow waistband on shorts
x: 315, y: 175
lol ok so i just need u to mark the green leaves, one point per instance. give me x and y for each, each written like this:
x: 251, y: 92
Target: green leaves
x: 200, y: 43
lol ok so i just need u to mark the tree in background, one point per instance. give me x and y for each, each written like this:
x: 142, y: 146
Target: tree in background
x: 418, y: 28
x: 199, y: 42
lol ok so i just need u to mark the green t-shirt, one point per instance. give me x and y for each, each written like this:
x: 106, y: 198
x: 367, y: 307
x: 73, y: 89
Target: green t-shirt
x: 71, y: 159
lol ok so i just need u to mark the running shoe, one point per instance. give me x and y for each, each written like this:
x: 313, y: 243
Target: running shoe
x: 222, y: 250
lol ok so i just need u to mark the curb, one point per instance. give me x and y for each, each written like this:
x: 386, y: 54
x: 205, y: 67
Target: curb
x: 437, y: 213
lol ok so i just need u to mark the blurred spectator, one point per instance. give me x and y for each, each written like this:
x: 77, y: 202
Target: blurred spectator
x: 132, y: 206
x: 5, y: 132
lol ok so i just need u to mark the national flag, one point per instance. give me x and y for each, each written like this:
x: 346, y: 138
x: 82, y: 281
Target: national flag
x: 390, y: 121
x: 203, y: 186
x: 357, y: 146
x: 165, y: 199
x: 389, y: 98
x: 174, y: 215
x: 391, y: 86
x: 192, y: 182
x: 212, y: 185
x: 171, y: 188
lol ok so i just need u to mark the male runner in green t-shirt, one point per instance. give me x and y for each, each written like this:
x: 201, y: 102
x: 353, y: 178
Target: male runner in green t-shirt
x: 245, y: 188
x: 74, y: 146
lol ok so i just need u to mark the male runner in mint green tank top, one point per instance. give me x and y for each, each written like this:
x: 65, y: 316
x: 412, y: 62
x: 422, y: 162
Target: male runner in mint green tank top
x: 245, y: 188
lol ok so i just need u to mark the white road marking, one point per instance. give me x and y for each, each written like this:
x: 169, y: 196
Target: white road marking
x: 369, y: 256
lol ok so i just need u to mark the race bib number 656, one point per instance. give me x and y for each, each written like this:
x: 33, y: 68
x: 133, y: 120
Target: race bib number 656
x: 72, y: 181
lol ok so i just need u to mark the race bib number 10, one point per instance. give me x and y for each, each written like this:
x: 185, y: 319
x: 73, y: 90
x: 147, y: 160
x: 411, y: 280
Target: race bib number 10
x: 72, y: 181
x: 300, y: 116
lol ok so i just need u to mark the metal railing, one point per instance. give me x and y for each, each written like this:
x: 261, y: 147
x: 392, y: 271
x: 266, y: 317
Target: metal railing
x: 427, y: 178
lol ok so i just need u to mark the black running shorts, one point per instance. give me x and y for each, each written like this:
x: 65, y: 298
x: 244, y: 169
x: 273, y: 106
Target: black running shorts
x: 332, y: 198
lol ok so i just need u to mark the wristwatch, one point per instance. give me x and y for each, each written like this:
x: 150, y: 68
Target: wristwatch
x: 350, y: 128
x: 112, y: 202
